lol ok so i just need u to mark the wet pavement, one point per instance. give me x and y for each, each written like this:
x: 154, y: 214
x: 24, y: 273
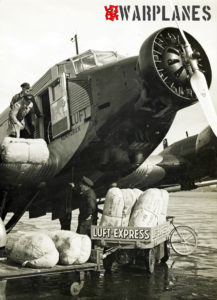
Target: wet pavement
x: 192, y: 277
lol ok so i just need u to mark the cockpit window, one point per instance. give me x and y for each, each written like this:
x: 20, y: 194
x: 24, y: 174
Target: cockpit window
x: 105, y: 57
x: 88, y: 62
x: 78, y: 66
x: 90, y: 59
x: 84, y: 63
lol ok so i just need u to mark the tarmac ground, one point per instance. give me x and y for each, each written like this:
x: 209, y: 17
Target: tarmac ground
x: 190, y: 277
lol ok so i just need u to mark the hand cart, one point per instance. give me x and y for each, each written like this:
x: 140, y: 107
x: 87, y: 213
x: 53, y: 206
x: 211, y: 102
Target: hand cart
x: 140, y: 246
x: 10, y: 270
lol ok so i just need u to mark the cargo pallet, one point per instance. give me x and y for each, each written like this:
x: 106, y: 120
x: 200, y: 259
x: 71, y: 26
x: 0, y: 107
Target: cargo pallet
x: 141, y: 246
x: 9, y: 271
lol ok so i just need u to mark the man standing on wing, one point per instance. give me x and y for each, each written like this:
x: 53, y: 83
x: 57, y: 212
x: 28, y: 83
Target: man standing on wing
x: 28, y: 108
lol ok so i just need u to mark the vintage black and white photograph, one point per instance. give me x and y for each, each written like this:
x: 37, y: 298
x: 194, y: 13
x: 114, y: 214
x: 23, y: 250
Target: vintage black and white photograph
x: 108, y: 149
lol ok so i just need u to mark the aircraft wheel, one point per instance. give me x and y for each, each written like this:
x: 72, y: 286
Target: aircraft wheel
x: 76, y: 288
x: 150, y: 260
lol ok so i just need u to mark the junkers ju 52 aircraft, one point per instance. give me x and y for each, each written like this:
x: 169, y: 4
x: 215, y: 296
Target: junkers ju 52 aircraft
x: 104, y: 115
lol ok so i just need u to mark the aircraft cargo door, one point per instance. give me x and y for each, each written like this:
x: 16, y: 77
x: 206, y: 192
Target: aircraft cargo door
x: 60, y: 118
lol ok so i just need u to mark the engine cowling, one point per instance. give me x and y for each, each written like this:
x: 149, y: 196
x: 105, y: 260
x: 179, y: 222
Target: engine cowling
x: 163, y: 63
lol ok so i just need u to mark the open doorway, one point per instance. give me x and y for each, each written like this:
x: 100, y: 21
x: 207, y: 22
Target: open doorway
x: 47, y: 117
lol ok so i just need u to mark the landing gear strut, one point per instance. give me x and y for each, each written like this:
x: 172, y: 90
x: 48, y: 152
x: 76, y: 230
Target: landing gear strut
x: 188, y: 186
x: 19, y: 213
x: 3, y: 202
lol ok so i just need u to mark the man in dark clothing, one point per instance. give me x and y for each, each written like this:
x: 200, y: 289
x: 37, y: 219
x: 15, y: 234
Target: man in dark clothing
x: 85, y: 199
x: 26, y: 97
x: 87, y: 207
x: 65, y: 211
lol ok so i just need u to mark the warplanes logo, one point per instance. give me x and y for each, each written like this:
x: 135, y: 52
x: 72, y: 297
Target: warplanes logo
x: 156, y: 12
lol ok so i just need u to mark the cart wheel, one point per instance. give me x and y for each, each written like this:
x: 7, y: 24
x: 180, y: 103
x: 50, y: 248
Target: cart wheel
x: 107, y: 262
x: 150, y: 260
x: 76, y: 288
x: 166, y: 253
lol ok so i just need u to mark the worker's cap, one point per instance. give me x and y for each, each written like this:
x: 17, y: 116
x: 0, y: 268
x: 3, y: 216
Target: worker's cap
x: 86, y: 181
x: 25, y: 85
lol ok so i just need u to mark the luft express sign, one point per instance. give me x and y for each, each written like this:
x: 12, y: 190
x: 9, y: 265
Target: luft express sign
x: 146, y: 234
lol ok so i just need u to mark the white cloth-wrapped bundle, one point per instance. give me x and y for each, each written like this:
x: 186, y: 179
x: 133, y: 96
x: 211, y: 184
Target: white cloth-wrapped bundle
x: 32, y: 249
x: 113, y: 208
x: 165, y: 202
x: 85, y: 249
x: 137, y: 192
x: 108, y: 221
x: 38, y: 151
x: 129, y: 197
x: 73, y: 248
x: 150, y: 208
x: 24, y: 150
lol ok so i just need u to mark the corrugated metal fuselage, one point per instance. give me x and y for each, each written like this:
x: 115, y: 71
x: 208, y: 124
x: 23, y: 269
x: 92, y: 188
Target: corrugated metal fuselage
x: 103, y: 122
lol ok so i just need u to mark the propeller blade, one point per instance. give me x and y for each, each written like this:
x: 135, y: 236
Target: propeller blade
x: 2, y: 234
x: 199, y: 86
x: 198, y: 82
x: 172, y: 6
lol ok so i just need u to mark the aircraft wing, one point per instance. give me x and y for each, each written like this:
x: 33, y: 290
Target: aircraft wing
x: 189, y: 163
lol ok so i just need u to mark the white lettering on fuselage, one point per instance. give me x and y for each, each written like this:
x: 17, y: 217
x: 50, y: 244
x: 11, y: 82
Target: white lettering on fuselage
x: 77, y: 120
x: 80, y: 116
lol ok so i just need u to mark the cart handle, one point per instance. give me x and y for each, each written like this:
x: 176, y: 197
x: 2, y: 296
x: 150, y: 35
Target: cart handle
x: 168, y: 218
x: 110, y: 251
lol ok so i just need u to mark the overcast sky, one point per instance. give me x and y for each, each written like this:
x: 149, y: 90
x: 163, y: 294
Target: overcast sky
x: 35, y: 35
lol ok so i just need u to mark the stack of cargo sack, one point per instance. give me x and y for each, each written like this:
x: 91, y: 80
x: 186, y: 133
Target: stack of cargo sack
x: 40, y: 250
x: 24, y: 150
x: 118, y: 206
x: 132, y: 207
